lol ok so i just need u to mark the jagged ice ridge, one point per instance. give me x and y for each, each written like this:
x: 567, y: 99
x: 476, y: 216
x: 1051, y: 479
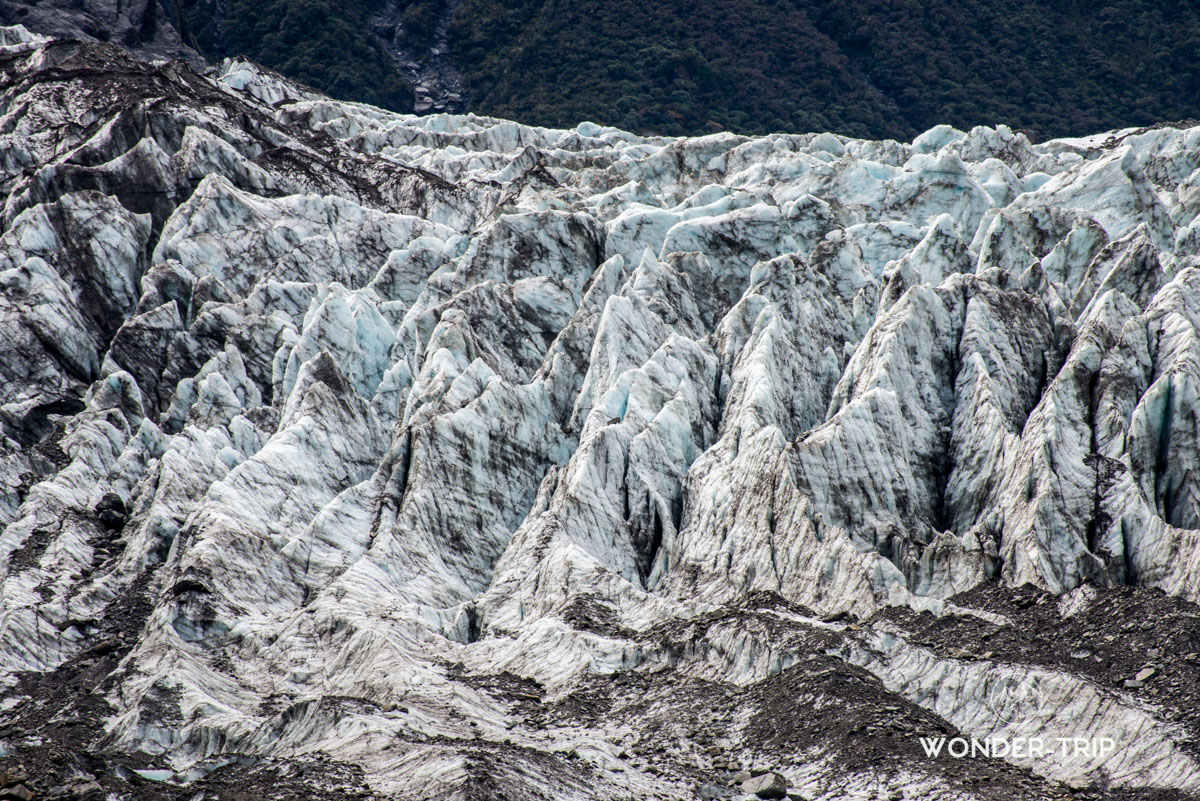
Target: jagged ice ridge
x: 481, y: 460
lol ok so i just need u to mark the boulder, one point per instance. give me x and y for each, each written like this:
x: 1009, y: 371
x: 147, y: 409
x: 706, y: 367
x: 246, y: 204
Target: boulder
x: 768, y: 785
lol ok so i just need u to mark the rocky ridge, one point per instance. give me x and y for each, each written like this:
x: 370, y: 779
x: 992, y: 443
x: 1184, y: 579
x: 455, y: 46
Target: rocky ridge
x: 372, y: 455
x: 148, y: 28
x: 426, y: 67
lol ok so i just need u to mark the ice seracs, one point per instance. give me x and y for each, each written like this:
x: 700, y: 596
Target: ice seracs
x: 447, y: 457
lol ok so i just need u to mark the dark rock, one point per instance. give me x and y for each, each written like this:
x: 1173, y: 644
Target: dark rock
x: 17, y: 792
x: 111, y: 512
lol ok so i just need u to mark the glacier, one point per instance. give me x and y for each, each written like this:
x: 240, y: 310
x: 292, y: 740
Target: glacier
x: 363, y: 455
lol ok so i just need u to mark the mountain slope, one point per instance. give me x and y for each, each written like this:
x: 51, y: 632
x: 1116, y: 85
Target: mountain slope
x: 873, y: 69
x: 356, y: 454
x: 876, y: 68
x: 145, y: 27
x: 324, y: 44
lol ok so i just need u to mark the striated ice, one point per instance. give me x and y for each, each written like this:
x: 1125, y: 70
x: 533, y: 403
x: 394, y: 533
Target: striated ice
x: 476, y: 458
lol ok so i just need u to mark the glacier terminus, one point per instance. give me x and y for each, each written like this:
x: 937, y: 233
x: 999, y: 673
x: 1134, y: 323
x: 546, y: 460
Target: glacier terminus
x: 353, y: 454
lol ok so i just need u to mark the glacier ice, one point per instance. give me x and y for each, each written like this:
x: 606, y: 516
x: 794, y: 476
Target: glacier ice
x: 458, y: 458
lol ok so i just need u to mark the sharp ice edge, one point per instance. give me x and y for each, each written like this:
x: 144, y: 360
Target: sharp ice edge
x: 386, y: 394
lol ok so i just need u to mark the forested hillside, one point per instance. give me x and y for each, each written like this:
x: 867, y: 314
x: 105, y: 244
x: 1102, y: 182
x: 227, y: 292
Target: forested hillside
x: 868, y: 68
x: 327, y: 44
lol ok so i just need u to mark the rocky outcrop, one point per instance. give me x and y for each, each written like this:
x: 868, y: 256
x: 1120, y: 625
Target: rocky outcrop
x: 348, y: 452
x: 149, y: 28
x: 416, y: 36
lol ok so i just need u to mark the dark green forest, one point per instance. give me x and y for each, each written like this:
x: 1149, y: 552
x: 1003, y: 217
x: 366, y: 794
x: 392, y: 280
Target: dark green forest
x: 877, y: 68
x: 326, y: 44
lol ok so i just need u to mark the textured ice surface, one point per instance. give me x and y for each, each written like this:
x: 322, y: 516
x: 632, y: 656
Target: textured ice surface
x: 488, y: 461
